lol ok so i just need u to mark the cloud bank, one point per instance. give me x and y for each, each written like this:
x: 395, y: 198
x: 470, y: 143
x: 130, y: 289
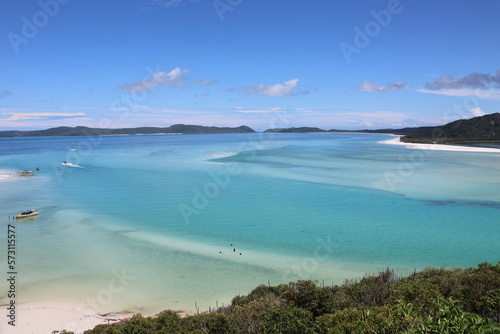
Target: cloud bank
x: 472, y: 80
x: 41, y: 115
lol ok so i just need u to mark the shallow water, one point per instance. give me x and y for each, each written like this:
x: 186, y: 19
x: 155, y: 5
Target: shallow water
x: 151, y: 222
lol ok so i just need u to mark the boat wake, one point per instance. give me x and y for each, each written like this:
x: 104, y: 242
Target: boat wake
x: 69, y: 164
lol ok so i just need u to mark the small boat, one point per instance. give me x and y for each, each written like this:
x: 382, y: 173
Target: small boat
x: 73, y: 149
x: 26, y: 173
x: 64, y: 163
x: 29, y: 213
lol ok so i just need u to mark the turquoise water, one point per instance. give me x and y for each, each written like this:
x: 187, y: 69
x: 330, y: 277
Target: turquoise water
x: 145, y: 223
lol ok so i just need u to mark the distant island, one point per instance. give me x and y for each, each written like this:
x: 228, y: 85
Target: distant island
x: 483, y: 129
x: 86, y: 131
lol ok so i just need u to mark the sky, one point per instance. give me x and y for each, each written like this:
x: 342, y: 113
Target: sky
x: 261, y: 63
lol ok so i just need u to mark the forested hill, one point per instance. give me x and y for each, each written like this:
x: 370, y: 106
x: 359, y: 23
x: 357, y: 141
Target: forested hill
x: 478, y: 129
x: 85, y: 131
x: 484, y: 129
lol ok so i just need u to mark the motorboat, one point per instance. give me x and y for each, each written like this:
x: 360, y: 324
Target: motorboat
x: 29, y: 213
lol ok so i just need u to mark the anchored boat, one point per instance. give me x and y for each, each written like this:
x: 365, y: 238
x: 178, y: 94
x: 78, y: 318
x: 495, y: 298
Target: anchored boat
x: 29, y: 213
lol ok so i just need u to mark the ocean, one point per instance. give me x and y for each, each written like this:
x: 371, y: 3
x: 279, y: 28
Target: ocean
x: 186, y: 222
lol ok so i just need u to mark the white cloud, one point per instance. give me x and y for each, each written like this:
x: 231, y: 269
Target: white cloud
x: 481, y: 85
x: 167, y: 3
x: 40, y: 115
x: 475, y: 112
x: 493, y: 94
x: 272, y: 110
x: 172, y: 79
x: 390, y: 87
x: 367, y: 124
x: 256, y: 111
x: 304, y: 110
x: 277, y: 90
x: 472, y: 80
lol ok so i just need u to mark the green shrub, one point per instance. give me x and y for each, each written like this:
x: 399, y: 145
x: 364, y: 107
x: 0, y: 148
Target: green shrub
x: 286, y: 320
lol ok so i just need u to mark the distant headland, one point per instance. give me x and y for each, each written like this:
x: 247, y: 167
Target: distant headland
x: 482, y: 129
x: 86, y: 131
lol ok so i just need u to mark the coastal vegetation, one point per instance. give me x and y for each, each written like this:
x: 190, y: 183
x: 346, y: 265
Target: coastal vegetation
x: 478, y: 130
x: 429, y: 301
x: 86, y: 131
x: 483, y: 129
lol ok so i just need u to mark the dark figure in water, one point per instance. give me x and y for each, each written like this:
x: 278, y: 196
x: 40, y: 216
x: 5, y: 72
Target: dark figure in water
x: 234, y: 249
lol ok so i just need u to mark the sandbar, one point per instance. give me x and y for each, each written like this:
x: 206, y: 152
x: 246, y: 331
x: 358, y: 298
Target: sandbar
x: 439, y: 147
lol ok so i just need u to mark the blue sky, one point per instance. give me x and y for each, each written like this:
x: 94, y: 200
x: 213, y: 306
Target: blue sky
x: 274, y: 63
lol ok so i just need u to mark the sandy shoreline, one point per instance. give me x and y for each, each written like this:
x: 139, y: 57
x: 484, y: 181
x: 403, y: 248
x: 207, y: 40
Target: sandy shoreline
x: 439, y: 147
x: 42, y: 317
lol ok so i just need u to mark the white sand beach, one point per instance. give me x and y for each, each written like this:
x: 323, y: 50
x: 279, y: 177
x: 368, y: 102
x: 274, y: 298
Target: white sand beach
x: 42, y: 317
x: 439, y: 147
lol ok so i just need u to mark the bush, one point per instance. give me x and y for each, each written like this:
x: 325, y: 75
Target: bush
x: 430, y: 301
x: 286, y: 320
